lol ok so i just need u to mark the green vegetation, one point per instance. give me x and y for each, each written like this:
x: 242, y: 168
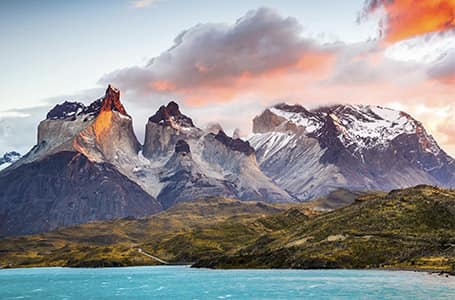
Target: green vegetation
x: 183, y: 233
x: 407, y: 229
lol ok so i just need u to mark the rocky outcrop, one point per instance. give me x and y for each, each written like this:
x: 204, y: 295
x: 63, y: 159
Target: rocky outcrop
x: 64, y: 189
x: 200, y: 163
x: 170, y: 115
x: 9, y: 158
x: 111, y: 101
x: 102, y: 131
x: 235, y: 144
x: 182, y: 147
x: 167, y: 126
x: 184, y: 180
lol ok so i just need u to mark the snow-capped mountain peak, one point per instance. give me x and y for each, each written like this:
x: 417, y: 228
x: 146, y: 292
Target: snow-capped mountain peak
x: 359, y: 127
x: 310, y: 152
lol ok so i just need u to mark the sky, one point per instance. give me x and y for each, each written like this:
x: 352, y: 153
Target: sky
x: 226, y: 61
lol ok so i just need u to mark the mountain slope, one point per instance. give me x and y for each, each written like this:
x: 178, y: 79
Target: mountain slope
x: 65, y: 189
x: 310, y: 153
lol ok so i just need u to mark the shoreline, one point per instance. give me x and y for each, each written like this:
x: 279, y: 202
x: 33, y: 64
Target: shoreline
x: 441, y: 273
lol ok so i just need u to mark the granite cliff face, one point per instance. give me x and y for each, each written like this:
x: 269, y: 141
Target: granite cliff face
x: 102, y: 131
x: 197, y: 163
x: 310, y: 153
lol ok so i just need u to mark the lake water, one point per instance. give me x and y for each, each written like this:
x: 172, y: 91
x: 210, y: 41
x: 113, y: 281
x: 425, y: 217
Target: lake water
x: 178, y: 282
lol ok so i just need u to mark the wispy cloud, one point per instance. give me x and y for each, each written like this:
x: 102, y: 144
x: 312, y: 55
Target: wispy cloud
x: 143, y: 3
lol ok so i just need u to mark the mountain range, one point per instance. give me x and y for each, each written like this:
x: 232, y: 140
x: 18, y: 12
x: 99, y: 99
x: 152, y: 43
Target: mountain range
x: 88, y: 164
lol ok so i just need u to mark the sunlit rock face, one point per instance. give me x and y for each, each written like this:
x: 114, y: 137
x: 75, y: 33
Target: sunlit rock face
x: 312, y: 152
x: 102, y: 131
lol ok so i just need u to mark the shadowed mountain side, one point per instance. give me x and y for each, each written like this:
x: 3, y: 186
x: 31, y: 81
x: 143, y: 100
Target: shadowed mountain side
x: 66, y: 189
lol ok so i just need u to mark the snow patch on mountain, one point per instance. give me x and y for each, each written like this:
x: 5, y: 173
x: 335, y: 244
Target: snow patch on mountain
x: 311, y: 122
x: 360, y: 127
x: 9, y: 158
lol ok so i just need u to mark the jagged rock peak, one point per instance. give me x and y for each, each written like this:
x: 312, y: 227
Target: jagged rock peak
x: 9, y: 157
x: 66, y: 110
x: 69, y: 111
x: 234, y: 144
x: 111, y: 101
x: 236, y: 133
x: 170, y: 115
x: 182, y: 147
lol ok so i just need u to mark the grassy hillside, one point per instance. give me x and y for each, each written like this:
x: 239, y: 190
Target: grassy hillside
x: 178, y: 234
x: 412, y: 228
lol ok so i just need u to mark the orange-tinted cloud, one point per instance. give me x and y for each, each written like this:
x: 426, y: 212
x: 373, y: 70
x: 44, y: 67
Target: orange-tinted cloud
x: 263, y: 59
x: 405, y: 19
x: 222, y: 60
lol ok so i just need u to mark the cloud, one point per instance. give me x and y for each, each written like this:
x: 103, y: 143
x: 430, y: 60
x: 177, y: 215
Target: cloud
x: 366, y: 64
x: 18, y: 128
x: 444, y: 69
x: 143, y: 3
x: 228, y: 73
x: 223, y: 58
x: 404, y: 19
x: 447, y: 128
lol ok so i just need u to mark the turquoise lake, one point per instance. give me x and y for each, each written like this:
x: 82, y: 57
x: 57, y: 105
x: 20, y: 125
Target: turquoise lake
x: 179, y: 282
